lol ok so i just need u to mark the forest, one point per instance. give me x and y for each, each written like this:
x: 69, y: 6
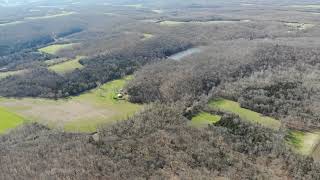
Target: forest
x: 160, y: 90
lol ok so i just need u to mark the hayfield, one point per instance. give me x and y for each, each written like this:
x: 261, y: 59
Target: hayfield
x: 67, y: 66
x: 147, y: 36
x: 203, y: 119
x: 305, y: 143
x: 82, y: 113
x: 55, y: 48
x: 9, y: 120
x: 11, y: 73
x: 245, y: 114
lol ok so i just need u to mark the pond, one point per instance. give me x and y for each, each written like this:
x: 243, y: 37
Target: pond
x: 180, y: 55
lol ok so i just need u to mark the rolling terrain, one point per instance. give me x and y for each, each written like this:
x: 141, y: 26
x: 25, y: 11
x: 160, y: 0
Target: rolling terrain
x: 172, y: 89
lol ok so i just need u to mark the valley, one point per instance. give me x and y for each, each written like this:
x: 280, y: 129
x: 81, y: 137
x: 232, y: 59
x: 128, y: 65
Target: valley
x: 168, y: 89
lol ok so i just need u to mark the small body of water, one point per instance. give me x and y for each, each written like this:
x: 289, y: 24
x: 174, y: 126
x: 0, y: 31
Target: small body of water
x: 180, y: 55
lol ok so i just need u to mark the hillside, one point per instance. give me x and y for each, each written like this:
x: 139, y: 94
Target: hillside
x: 172, y: 89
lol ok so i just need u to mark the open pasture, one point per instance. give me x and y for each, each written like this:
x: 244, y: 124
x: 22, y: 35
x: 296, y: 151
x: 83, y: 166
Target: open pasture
x: 203, y: 119
x: 9, y: 120
x: 67, y: 66
x: 245, y: 114
x: 83, y: 113
x: 55, y: 48
x: 11, y: 73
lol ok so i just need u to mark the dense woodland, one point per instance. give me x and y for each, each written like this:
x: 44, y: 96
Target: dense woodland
x: 98, y: 69
x: 232, y: 149
x: 254, y: 54
x: 275, y: 80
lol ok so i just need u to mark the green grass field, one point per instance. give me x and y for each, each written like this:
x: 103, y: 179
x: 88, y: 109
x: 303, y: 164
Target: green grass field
x: 303, y: 142
x: 245, y: 114
x: 67, y: 66
x: 11, y: 73
x: 83, y: 113
x: 8, y: 120
x: 203, y: 119
x: 105, y: 96
x: 55, y: 48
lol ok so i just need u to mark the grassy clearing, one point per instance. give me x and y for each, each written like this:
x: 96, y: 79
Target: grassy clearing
x: 55, y: 61
x: 310, y: 6
x: 54, y: 49
x: 203, y: 119
x: 11, y: 73
x: 295, y: 139
x: 304, y: 143
x: 171, y: 23
x: 316, y: 152
x: 300, y: 26
x: 147, y: 36
x: 134, y: 5
x: 9, y: 120
x: 176, y: 23
x: 64, y: 13
x: 11, y: 23
x: 310, y: 141
x: 67, y: 66
x: 158, y: 11
x: 82, y: 113
x: 245, y: 114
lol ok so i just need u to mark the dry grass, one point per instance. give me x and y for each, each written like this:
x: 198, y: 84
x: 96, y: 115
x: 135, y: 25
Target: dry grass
x: 54, y: 49
x: 82, y: 113
x: 11, y: 73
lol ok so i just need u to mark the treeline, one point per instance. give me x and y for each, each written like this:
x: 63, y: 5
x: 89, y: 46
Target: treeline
x: 99, y: 69
x: 155, y: 144
x: 22, y: 60
x: 6, y: 49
